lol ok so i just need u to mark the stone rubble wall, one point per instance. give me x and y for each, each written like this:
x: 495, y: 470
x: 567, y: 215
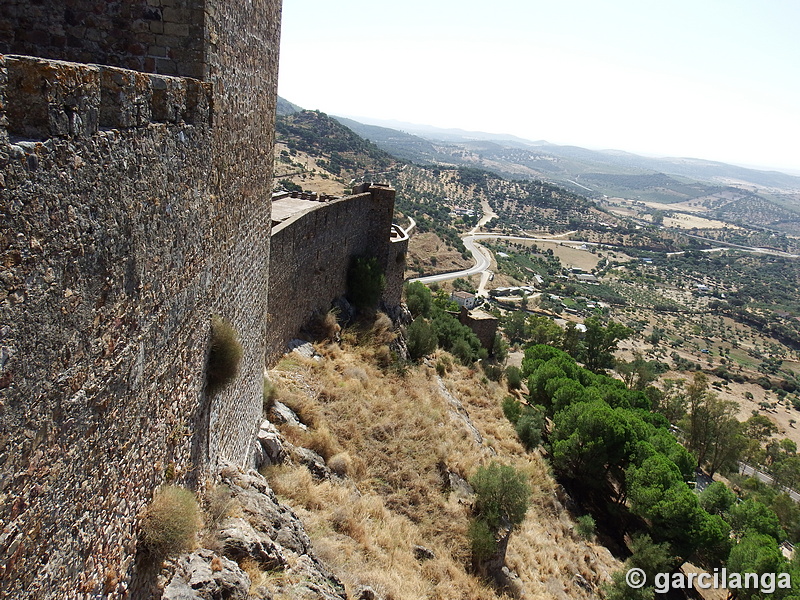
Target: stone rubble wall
x: 153, y: 36
x: 312, y: 251
x: 134, y: 207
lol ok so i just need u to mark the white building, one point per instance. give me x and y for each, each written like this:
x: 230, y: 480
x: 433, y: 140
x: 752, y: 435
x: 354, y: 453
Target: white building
x: 464, y: 299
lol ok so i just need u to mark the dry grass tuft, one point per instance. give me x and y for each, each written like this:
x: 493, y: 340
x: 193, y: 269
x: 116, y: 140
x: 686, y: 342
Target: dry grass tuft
x: 170, y: 523
x: 306, y: 410
x: 341, y: 463
x: 224, y: 355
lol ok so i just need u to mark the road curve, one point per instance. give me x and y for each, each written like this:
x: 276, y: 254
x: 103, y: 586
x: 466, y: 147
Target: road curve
x: 482, y: 261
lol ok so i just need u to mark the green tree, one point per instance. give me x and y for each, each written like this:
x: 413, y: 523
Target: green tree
x: 638, y: 373
x: 657, y: 492
x: 514, y: 377
x: 714, y: 434
x: 529, y: 426
x: 752, y: 516
x: 499, y: 349
x: 421, y: 338
x: 571, y: 340
x: 619, y: 589
x: 502, y: 495
x: 717, y: 498
x: 589, y: 440
x: 650, y: 557
x: 541, y: 330
x: 512, y: 409
x: 514, y: 327
x: 418, y: 299
x: 756, y: 553
x: 760, y: 428
x: 601, y: 343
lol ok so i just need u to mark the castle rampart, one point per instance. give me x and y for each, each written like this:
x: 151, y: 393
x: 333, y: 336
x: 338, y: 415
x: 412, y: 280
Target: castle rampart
x: 134, y: 207
x: 312, y: 248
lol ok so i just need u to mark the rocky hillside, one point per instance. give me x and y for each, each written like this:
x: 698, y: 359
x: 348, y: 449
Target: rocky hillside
x: 378, y: 455
x: 339, y: 150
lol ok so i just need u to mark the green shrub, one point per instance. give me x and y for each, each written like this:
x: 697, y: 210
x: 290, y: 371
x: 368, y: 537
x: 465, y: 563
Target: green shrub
x: 482, y: 540
x: 512, y: 409
x: 502, y: 495
x: 493, y: 371
x: 268, y: 395
x: 224, y: 355
x: 421, y: 339
x: 585, y: 526
x: 514, y: 377
x: 418, y: 299
x: 463, y: 352
x: 171, y: 521
x: 365, y: 282
x: 529, y: 427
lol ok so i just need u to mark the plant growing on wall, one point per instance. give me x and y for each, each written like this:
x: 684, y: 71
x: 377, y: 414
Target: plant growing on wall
x: 224, y: 355
x: 170, y: 523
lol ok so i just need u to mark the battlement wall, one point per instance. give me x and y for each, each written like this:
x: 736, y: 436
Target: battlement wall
x: 50, y: 98
x: 311, y: 253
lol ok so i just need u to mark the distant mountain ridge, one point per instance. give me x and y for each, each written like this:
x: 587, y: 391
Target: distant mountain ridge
x: 775, y: 196
x: 695, y: 168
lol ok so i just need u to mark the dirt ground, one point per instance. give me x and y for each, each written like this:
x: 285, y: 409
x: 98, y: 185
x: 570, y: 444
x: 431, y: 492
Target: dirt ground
x: 429, y: 252
x: 303, y: 171
x: 570, y: 255
x: 685, y: 221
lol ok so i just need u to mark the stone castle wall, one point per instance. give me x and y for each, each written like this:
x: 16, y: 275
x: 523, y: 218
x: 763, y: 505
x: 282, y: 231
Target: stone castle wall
x: 154, y: 36
x: 312, y: 251
x: 134, y: 207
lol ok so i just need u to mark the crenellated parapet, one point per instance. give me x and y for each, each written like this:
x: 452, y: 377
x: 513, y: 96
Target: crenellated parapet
x: 47, y: 98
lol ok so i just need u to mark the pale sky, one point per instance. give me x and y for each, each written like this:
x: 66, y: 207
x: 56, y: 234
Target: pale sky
x: 712, y: 79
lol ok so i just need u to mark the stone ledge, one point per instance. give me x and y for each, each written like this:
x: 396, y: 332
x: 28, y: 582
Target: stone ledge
x: 50, y: 98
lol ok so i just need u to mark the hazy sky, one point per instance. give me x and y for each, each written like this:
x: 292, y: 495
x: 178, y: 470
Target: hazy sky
x: 714, y: 79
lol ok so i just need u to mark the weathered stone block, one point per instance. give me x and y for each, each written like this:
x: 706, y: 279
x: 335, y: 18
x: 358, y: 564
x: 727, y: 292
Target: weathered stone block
x: 169, y: 98
x: 199, y: 105
x: 52, y: 98
x: 166, y: 66
x: 125, y: 98
x: 177, y: 29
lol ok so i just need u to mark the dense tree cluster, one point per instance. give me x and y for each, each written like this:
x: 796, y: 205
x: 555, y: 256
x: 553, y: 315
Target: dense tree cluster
x: 434, y: 326
x: 611, y: 439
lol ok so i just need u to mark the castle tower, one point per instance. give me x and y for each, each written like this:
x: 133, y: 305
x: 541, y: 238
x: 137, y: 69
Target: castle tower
x: 135, y: 173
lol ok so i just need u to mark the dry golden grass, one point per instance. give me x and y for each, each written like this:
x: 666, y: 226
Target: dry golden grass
x: 393, y: 435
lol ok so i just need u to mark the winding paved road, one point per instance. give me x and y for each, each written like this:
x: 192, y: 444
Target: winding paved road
x: 483, y: 258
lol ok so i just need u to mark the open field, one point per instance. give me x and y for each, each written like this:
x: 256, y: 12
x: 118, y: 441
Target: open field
x: 570, y: 255
x: 686, y: 221
x: 429, y: 253
x: 302, y: 169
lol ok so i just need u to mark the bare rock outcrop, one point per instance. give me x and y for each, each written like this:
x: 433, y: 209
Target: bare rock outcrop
x: 203, y: 575
x: 260, y: 530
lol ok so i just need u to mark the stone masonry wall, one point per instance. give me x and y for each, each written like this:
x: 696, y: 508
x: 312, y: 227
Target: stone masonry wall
x: 310, y: 255
x: 133, y: 208
x: 154, y: 36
